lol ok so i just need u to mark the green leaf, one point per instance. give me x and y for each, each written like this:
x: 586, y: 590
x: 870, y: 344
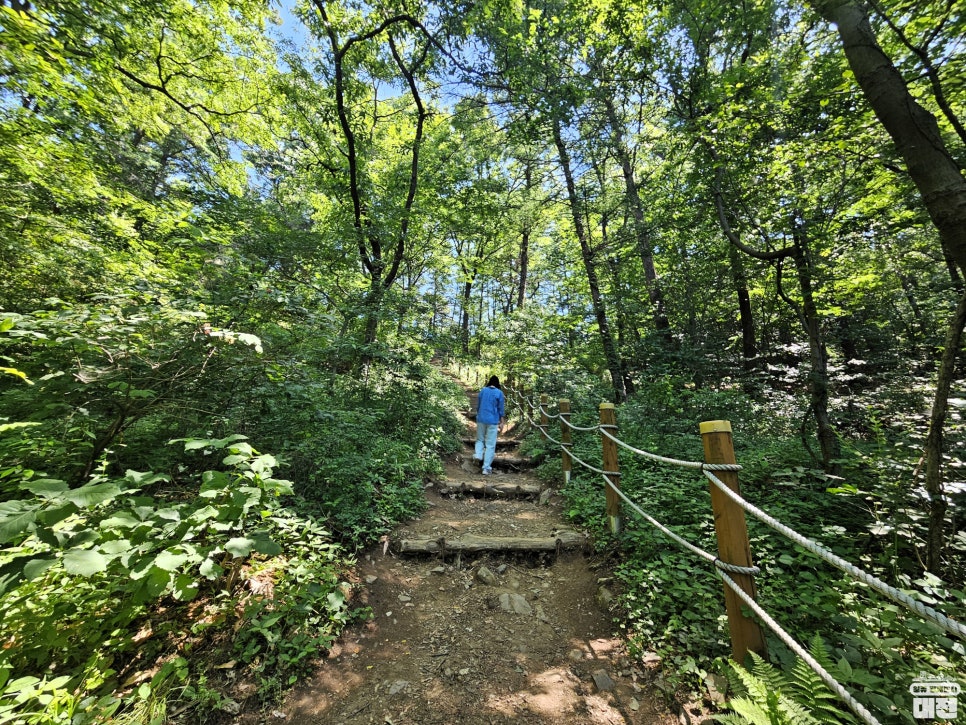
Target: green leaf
x: 265, y: 545
x: 146, y: 478
x: 116, y: 547
x: 16, y: 518
x: 169, y: 560
x: 48, y: 488
x: 250, y: 340
x: 16, y: 373
x: 4, y: 427
x: 185, y: 588
x: 121, y: 520
x: 192, y: 444
x: 157, y: 581
x: 93, y: 494
x: 240, y: 546
x: 84, y: 562
x: 210, y: 570
x: 37, y: 567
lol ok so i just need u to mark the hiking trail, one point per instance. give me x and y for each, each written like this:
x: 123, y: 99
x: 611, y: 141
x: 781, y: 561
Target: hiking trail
x: 462, y: 633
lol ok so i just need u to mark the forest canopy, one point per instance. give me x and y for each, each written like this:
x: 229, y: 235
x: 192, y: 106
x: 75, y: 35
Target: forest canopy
x: 239, y: 241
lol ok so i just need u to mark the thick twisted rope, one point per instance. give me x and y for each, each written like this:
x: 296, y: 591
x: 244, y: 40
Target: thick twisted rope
x: 673, y: 461
x: 588, y: 466
x: 543, y: 411
x: 684, y: 543
x: 833, y: 684
x: 900, y: 597
x: 577, y: 428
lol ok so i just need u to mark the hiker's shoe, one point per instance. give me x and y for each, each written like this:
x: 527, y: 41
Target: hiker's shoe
x: 487, y: 471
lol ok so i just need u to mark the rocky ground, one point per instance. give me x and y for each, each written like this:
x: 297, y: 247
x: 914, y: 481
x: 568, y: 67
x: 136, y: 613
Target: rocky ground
x: 474, y: 638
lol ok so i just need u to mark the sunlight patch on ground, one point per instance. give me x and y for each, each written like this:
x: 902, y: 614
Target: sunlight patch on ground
x: 550, y: 693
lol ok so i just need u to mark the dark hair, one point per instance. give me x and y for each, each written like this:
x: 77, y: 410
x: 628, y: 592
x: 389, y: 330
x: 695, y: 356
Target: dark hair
x: 494, y: 382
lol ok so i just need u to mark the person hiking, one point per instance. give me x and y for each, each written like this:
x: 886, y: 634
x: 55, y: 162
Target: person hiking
x: 490, y: 419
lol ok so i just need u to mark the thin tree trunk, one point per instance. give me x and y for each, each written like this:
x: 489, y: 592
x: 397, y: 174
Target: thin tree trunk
x: 524, y: 258
x: 587, y: 255
x: 934, y: 440
x: 641, y: 236
x: 749, y: 343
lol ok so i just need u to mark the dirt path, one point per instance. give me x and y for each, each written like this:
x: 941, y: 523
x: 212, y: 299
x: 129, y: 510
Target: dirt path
x: 448, y: 643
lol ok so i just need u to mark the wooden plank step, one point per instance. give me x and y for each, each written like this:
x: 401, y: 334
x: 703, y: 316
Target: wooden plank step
x: 500, y: 444
x: 471, y: 542
x: 495, y: 487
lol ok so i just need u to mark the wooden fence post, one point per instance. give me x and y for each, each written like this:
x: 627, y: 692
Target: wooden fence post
x: 544, y: 421
x: 527, y: 408
x: 608, y: 421
x: 563, y: 405
x: 732, y: 533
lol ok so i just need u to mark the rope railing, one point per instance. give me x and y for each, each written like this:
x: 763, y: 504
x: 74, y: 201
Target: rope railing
x: 729, y: 506
x: 949, y: 625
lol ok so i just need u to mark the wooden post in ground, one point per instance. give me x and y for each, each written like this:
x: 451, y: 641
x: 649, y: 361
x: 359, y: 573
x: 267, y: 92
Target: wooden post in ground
x: 732, y: 533
x: 563, y: 405
x: 608, y: 422
x: 527, y: 407
x: 544, y: 421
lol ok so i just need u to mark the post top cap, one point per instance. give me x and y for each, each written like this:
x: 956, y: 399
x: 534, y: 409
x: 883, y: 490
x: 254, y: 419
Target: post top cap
x: 715, y: 426
x: 607, y: 406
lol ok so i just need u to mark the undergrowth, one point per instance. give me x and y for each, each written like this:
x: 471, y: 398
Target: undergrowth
x: 671, y: 603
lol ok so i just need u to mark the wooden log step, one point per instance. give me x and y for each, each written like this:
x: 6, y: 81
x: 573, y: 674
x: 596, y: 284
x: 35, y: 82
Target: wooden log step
x: 500, y: 444
x: 495, y: 487
x: 471, y: 542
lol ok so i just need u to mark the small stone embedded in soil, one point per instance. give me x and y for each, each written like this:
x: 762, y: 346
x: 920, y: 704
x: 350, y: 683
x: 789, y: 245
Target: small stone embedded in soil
x: 398, y: 686
x: 486, y: 576
x: 438, y: 570
x: 371, y: 579
x: 405, y: 598
x: 541, y: 615
x: 634, y: 704
x: 576, y: 655
x: 603, y: 681
x: 605, y: 597
x: 545, y: 496
x: 515, y: 603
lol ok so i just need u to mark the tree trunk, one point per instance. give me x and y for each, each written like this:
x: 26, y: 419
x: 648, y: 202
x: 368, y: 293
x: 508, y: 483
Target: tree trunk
x: 587, y: 255
x: 641, y: 236
x: 524, y: 258
x: 818, y: 386
x: 465, y: 316
x: 749, y: 343
x: 914, y: 130
x: 933, y: 453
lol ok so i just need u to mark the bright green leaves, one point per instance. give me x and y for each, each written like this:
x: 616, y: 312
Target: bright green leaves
x: 84, y: 562
x: 239, y: 547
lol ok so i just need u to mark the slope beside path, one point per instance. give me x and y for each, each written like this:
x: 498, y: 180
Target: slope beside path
x: 480, y: 637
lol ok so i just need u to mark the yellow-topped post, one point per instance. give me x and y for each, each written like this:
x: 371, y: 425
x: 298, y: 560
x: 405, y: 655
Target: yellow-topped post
x: 608, y: 422
x: 732, y: 533
x: 563, y: 405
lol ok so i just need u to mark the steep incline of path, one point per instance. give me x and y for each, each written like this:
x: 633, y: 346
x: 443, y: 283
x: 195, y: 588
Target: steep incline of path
x: 474, y: 638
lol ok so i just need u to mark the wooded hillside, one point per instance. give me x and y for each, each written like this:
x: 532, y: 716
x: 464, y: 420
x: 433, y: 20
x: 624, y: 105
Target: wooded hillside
x: 239, y: 243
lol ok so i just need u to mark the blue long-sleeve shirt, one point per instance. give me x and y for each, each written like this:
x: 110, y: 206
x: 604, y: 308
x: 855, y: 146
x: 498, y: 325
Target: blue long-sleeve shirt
x: 489, y: 406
